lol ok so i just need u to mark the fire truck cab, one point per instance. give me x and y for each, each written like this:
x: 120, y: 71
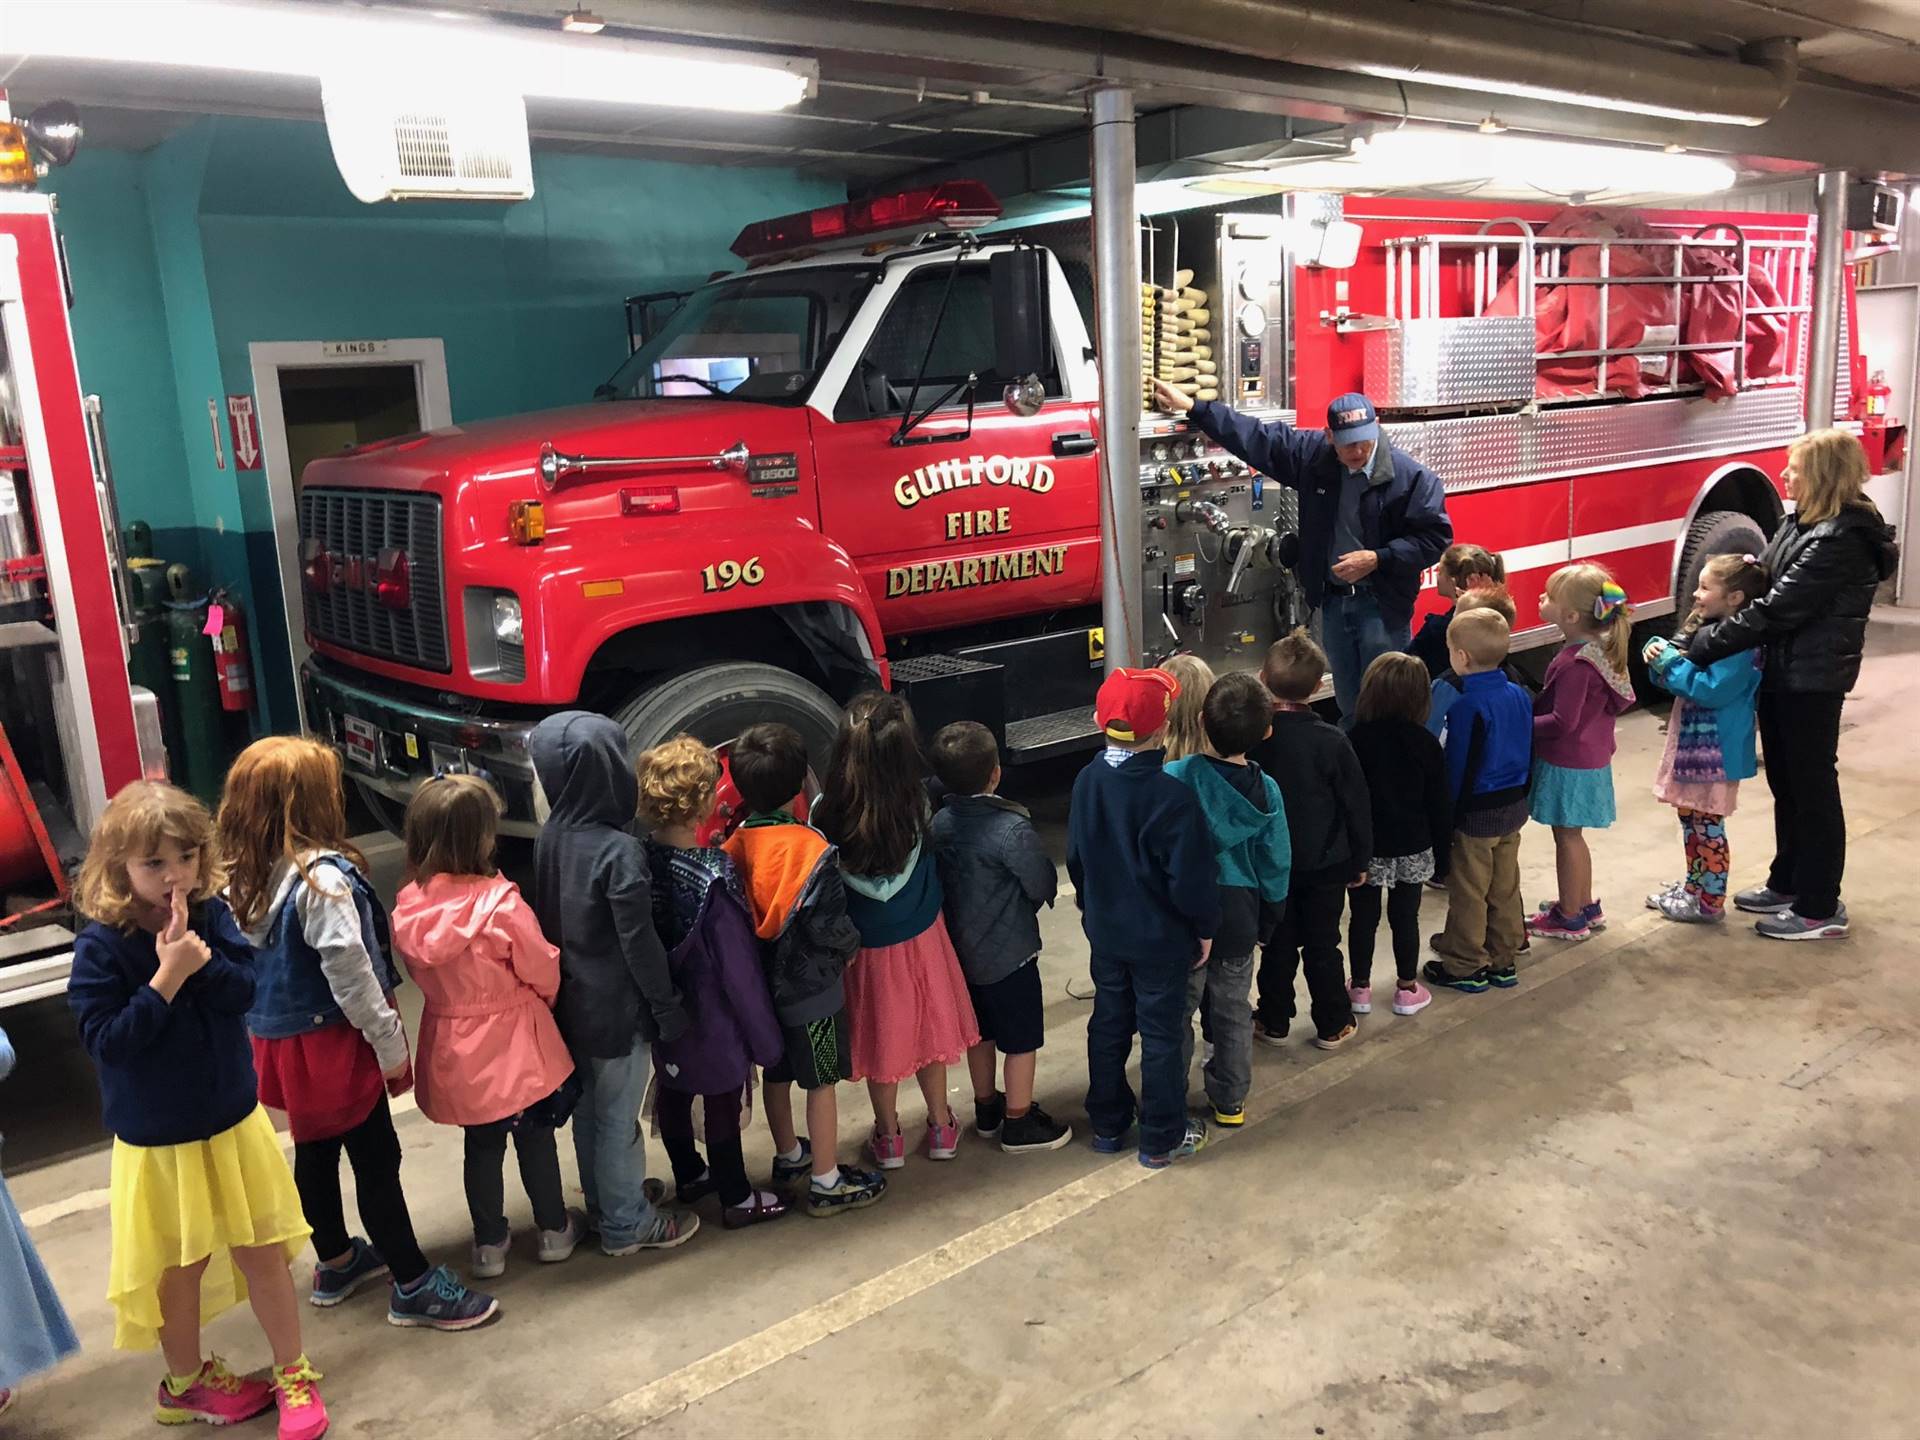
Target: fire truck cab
x: 810, y: 461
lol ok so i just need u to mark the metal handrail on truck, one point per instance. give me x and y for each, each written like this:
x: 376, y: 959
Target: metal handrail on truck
x: 1416, y: 264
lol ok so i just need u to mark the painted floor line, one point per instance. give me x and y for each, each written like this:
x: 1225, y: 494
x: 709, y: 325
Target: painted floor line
x: 628, y: 1414
x: 85, y: 1200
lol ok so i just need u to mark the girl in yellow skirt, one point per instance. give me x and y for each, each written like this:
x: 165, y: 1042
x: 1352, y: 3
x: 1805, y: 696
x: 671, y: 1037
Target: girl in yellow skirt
x: 204, y: 1208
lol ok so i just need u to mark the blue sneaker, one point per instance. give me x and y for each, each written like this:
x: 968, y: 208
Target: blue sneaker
x: 1434, y: 973
x: 1192, y: 1143
x: 1111, y: 1144
x: 787, y: 1171
x: 331, y: 1286
x: 438, y: 1301
x: 1504, y: 976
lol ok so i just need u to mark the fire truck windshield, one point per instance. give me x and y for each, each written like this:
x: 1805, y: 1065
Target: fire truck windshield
x: 762, y: 337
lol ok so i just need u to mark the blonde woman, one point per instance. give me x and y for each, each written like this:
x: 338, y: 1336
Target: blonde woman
x: 1825, y: 560
x: 1185, y: 736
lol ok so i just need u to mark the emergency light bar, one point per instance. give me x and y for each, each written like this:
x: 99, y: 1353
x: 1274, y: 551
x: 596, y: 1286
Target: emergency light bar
x: 952, y: 205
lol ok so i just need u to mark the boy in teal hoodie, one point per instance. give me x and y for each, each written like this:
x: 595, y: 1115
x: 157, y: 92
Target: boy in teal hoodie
x: 1248, y: 825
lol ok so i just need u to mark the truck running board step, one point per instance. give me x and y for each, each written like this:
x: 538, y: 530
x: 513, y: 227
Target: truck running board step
x: 1040, y: 737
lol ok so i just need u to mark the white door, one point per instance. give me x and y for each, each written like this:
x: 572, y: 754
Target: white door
x: 316, y: 396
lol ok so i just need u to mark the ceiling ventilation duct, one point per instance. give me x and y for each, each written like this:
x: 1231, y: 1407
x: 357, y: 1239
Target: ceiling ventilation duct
x: 1437, y: 45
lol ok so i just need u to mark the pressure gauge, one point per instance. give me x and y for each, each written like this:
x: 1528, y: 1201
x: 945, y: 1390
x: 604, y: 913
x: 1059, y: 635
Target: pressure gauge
x: 1160, y: 452
x: 1253, y: 321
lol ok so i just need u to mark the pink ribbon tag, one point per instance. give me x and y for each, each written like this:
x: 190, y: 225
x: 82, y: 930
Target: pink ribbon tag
x: 216, y: 620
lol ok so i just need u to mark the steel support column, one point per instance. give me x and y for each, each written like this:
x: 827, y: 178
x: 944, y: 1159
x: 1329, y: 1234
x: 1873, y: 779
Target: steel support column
x: 1116, y: 281
x: 1823, y: 340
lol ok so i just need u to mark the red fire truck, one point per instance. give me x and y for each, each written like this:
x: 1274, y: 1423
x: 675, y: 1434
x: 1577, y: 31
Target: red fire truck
x: 807, y: 482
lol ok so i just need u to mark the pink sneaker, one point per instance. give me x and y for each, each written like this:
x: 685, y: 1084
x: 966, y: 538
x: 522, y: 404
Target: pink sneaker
x: 1411, y: 1002
x: 943, y: 1141
x: 1361, y: 998
x: 217, y: 1397
x: 303, y: 1414
x: 1550, y: 924
x: 889, y: 1151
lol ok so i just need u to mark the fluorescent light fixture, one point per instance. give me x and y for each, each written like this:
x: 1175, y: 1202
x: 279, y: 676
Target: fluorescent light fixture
x: 1445, y: 157
x: 287, y: 37
x: 582, y: 22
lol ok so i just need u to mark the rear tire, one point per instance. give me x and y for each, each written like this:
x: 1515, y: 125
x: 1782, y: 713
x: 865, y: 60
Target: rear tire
x: 714, y: 703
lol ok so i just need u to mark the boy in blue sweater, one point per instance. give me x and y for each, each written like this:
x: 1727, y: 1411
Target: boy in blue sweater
x: 1489, y: 747
x: 1248, y: 823
x: 1143, y: 875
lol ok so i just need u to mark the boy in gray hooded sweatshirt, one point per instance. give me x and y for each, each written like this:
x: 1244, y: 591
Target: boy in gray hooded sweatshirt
x: 592, y: 890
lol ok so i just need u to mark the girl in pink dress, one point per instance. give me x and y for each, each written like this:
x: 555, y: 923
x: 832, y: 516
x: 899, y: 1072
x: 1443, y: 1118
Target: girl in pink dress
x: 907, y: 1002
x: 491, y: 1056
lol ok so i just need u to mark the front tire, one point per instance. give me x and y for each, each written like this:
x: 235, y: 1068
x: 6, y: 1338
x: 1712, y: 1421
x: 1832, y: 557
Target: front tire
x: 714, y: 703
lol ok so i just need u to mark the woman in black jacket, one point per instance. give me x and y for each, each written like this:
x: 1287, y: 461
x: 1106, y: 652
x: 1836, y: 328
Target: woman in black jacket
x: 1825, y: 561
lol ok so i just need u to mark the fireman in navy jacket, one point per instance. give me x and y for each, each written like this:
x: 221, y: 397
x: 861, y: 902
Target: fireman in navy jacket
x: 1371, y: 519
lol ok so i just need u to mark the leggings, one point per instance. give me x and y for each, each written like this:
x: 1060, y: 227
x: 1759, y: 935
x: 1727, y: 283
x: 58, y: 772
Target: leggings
x: 724, y: 1162
x: 1705, y: 836
x: 373, y: 1149
x: 1403, y: 920
x: 486, y: 1159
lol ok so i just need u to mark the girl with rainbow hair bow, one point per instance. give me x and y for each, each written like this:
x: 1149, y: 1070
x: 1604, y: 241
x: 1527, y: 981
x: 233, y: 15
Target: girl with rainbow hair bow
x: 1573, y: 716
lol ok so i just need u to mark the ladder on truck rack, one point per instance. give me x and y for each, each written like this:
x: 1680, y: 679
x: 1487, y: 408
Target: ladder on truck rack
x: 1427, y: 281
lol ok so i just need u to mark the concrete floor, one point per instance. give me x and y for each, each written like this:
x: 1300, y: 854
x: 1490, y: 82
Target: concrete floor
x: 1663, y: 1188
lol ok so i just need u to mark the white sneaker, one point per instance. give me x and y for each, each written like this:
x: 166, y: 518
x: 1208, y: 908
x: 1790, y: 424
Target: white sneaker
x: 558, y: 1245
x: 490, y: 1261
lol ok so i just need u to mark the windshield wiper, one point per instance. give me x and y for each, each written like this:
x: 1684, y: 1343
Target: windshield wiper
x: 711, y: 387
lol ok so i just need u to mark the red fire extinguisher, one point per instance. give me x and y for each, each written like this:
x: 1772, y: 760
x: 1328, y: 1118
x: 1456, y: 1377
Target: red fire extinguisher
x: 226, y: 624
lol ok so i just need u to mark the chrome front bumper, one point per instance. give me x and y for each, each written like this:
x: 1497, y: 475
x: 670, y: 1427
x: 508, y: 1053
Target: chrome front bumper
x: 396, y: 745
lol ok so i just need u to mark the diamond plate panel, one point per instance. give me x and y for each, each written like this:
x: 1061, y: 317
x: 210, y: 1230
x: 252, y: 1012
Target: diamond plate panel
x: 1428, y: 364
x: 1480, y: 452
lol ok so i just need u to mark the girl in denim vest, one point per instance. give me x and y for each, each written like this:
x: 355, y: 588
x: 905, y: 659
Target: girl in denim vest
x: 1710, y: 739
x: 204, y: 1213
x: 327, y: 1041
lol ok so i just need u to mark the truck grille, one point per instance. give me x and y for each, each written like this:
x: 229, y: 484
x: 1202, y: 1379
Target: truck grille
x: 352, y: 528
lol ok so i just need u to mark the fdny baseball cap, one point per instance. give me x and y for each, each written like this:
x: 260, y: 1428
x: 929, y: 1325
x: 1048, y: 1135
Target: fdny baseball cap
x: 1351, y: 420
x: 1133, y: 704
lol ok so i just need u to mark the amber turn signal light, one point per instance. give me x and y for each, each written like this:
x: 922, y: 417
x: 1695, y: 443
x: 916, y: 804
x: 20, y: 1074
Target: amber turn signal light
x: 527, y: 522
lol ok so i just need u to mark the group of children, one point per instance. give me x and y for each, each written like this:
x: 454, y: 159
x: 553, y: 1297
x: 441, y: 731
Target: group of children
x: 1224, y: 814
x: 244, y: 961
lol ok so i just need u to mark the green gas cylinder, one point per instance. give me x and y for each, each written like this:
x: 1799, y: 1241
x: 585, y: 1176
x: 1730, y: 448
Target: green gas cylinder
x: 201, y: 764
x: 147, y: 659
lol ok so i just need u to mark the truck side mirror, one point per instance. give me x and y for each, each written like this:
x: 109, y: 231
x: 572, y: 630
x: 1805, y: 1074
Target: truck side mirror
x: 1022, y: 331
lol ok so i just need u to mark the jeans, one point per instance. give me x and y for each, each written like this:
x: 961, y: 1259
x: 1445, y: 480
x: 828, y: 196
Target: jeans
x: 1309, y: 935
x: 1800, y: 736
x: 1354, y: 635
x: 1219, y: 991
x: 725, y: 1164
x: 1149, y: 996
x: 486, y: 1157
x: 1485, y: 920
x: 1403, y: 921
x: 373, y: 1149
x: 611, y: 1150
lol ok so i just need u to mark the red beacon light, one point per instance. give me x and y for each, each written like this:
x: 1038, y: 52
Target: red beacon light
x: 953, y: 205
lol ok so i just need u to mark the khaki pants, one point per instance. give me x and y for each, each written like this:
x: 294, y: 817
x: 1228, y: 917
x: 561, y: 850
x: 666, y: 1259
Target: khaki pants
x: 1484, y: 921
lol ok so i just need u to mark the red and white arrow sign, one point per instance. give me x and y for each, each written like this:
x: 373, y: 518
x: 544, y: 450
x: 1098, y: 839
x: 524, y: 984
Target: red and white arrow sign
x: 246, y: 432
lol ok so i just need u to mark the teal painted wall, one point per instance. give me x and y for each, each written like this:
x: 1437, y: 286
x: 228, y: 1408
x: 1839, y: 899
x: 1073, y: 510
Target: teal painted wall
x: 239, y: 231
x: 120, y: 332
